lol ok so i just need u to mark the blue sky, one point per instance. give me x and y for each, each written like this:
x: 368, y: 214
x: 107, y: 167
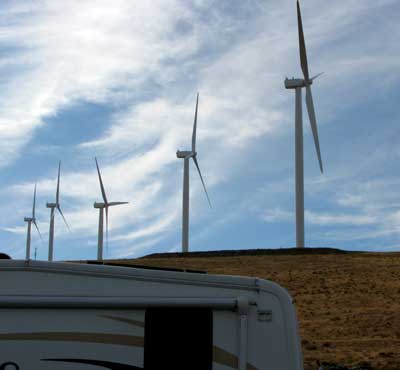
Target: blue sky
x: 81, y: 79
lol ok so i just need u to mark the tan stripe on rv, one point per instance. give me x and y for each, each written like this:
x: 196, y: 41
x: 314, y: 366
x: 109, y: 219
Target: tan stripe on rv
x: 118, y: 339
x: 125, y: 320
x: 226, y: 358
x: 220, y: 356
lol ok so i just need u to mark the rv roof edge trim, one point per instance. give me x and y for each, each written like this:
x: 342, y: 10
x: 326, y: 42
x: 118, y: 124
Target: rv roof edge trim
x: 115, y: 302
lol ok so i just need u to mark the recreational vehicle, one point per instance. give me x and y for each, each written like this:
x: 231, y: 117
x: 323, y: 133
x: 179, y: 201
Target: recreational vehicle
x: 70, y: 316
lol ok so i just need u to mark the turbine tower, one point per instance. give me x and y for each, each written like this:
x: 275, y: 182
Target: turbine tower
x: 53, y: 207
x: 30, y: 221
x: 298, y: 84
x: 101, y: 206
x: 186, y: 155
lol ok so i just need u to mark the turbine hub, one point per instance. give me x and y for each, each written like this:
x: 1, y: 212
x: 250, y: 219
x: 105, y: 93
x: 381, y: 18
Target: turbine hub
x: 99, y: 205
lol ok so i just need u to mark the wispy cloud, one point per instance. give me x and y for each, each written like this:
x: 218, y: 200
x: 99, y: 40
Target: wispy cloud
x: 277, y: 215
x: 322, y: 219
x: 338, y: 219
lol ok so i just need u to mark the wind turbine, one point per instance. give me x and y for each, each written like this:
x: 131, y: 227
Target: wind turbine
x: 53, y: 207
x: 101, y: 206
x: 30, y: 221
x: 186, y: 155
x: 298, y: 84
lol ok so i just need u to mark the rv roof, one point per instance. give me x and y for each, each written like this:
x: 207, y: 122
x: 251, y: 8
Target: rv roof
x: 118, y: 272
x: 91, y: 262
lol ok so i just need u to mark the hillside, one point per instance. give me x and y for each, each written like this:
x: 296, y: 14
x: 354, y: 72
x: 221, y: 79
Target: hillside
x: 348, y: 304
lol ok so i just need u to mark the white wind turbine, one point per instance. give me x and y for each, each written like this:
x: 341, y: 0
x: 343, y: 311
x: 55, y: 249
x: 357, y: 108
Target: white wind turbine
x: 297, y: 84
x: 101, y: 206
x: 52, y: 207
x: 30, y: 221
x: 186, y: 155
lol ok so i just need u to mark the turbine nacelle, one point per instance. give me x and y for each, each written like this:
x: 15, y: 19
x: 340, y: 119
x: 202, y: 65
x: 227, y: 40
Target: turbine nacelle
x: 294, y: 83
x: 185, y: 154
x: 99, y: 205
x: 51, y: 205
x: 28, y: 219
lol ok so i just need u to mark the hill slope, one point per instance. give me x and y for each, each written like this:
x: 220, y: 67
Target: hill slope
x: 348, y: 304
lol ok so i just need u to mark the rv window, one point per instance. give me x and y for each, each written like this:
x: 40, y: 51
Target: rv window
x: 178, y: 338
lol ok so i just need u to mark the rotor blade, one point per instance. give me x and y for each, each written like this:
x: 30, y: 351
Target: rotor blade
x: 62, y: 215
x: 37, y: 228
x: 106, y: 228
x: 34, y: 203
x: 201, y: 178
x: 103, y: 192
x: 195, y: 125
x: 116, y: 203
x: 313, y: 122
x: 316, y: 76
x: 58, y: 183
x: 302, y: 45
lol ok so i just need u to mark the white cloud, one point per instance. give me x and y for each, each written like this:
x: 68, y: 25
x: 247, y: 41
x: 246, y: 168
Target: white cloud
x: 15, y: 230
x: 339, y: 219
x: 155, y: 228
x: 74, y: 51
x: 350, y: 200
x: 322, y: 219
x: 136, y: 248
x: 277, y: 215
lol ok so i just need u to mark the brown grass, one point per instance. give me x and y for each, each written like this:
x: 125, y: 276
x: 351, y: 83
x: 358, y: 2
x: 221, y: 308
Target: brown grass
x: 348, y: 305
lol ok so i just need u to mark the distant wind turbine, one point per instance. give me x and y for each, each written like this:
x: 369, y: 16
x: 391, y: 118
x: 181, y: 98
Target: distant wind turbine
x: 52, y: 207
x: 297, y: 84
x: 101, y: 206
x: 186, y: 155
x: 30, y: 221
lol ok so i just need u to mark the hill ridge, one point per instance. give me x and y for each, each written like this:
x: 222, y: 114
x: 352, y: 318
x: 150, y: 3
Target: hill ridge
x: 250, y: 252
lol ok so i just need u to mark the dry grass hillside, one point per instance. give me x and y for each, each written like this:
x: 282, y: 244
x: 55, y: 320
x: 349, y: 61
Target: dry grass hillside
x: 348, y: 304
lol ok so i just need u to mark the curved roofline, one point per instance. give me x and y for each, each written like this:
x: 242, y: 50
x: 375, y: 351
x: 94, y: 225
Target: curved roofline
x: 239, y: 282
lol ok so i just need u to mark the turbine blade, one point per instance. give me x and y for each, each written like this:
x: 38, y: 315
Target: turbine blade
x: 34, y: 203
x: 201, y: 178
x: 302, y: 45
x: 62, y: 215
x: 106, y: 228
x: 313, y: 122
x: 116, y: 203
x: 316, y: 76
x: 195, y: 125
x: 37, y: 228
x: 58, y: 183
x: 103, y: 192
